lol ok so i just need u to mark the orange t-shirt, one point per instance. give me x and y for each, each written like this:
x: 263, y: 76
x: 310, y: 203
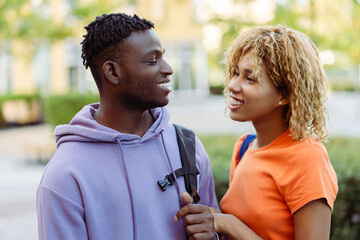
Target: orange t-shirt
x: 271, y: 183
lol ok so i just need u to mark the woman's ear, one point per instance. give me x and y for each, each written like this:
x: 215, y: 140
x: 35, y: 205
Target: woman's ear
x: 283, y: 101
x: 112, y: 71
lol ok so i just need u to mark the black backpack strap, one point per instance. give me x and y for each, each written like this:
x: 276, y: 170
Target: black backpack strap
x: 245, y: 145
x: 186, y: 143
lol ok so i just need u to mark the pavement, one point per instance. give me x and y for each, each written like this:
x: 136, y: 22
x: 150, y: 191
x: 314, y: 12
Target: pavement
x: 23, y: 151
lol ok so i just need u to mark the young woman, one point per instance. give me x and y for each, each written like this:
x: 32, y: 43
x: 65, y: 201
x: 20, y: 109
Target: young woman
x: 284, y: 186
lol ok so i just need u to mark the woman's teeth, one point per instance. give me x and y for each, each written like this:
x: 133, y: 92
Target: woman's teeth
x: 235, y: 102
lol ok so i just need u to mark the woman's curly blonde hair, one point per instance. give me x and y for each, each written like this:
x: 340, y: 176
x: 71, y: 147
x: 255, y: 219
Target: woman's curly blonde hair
x: 293, y: 64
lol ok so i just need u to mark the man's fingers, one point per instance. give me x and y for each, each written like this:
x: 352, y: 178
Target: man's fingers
x: 190, y: 208
x: 200, y: 236
x: 195, y: 219
x: 187, y: 209
x: 187, y: 199
x: 213, y: 210
x: 200, y: 231
x: 183, y: 211
x: 194, y: 214
x: 198, y: 219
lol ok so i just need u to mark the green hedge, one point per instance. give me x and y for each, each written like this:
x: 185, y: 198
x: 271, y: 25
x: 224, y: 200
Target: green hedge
x: 60, y: 109
x: 345, y: 157
x: 344, y: 154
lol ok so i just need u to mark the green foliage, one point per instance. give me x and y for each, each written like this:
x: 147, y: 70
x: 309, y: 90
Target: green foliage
x: 343, y: 87
x: 344, y: 154
x: 60, y: 109
x: 219, y: 148
x: 312, y: 18
x: 29, y: 21
x: 26, y: 97
x: 217, y: 90
x: 345, y: 157
x: 20, y: 20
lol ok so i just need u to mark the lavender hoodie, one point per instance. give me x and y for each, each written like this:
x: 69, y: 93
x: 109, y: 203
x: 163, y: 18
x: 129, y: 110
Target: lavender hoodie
x: 102, y: 184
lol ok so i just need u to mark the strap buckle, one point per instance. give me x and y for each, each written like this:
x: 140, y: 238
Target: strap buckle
x: 168, y: 181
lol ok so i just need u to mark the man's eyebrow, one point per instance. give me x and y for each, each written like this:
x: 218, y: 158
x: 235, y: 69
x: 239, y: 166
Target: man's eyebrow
x: 155, y: 51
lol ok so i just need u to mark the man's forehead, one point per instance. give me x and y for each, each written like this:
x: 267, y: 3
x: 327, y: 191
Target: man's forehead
x: 144, y: 41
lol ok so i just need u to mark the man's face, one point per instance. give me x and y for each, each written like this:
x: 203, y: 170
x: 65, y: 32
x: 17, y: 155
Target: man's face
x: 145, y: 74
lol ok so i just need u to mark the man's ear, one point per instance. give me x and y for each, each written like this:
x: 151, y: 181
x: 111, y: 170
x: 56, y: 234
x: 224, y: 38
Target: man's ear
x: 112, y: 71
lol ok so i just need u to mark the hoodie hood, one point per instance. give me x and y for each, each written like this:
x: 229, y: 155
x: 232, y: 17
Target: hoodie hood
x: 84, y: 128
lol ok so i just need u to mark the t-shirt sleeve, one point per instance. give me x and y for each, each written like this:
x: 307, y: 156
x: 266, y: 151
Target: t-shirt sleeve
x: 235, y: 157
x: 308, y: 176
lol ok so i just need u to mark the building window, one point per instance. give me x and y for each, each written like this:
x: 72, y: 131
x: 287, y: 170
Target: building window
x: 5, y: 73
x: 73, y: 78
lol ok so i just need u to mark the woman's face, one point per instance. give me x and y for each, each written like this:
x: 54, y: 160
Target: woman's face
x: 253, y: 99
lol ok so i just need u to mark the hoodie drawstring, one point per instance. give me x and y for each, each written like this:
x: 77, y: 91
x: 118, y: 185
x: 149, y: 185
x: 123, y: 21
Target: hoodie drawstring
x: 171, y: 169
x: 128, y: 186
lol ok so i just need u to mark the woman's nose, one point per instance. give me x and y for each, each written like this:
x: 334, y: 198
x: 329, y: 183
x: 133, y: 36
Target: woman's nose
x: 234, y: 84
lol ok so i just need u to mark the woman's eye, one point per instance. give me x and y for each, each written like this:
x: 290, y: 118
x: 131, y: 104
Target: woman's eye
x: 250, y: 79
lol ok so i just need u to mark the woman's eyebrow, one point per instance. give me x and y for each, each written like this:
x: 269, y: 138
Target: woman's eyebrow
x: 247, y: 70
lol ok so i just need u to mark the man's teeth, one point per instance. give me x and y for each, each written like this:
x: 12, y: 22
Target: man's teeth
x: 235, y: 102
x: 165, y: 85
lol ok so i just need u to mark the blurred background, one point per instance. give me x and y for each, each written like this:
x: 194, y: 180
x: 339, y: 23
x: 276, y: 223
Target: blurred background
x: 43, y: 83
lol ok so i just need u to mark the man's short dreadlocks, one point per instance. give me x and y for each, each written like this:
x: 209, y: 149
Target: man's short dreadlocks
x: 108, y: 30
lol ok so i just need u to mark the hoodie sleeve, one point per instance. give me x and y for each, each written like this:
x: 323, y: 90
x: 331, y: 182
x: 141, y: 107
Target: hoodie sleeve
x: 58, y: 216
x: 206, y: 187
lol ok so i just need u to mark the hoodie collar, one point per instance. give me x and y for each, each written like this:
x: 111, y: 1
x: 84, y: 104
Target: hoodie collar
x: 84, y: 128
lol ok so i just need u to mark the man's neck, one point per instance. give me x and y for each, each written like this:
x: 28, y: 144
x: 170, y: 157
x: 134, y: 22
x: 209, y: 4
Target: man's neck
x: 124, y: 121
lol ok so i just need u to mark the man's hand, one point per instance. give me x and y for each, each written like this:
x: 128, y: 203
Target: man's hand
x: 198, y: 219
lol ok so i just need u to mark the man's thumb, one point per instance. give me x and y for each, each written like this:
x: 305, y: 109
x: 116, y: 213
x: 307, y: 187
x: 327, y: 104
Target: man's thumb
x: 187, y: 199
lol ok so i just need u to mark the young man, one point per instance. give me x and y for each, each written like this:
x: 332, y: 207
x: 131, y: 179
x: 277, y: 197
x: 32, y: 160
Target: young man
x: 102, y: 181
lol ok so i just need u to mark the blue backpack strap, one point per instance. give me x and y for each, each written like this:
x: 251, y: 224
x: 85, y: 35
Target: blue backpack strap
x: 245, y: 145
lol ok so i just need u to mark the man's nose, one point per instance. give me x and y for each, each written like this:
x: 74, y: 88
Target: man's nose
x: 166, y: 69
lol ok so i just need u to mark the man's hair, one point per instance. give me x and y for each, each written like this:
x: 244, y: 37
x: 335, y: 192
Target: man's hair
x: 108, y: 31
x: 293, y: 64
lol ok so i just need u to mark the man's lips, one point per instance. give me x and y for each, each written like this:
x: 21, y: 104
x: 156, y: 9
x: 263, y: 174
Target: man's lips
x: 165, y: 85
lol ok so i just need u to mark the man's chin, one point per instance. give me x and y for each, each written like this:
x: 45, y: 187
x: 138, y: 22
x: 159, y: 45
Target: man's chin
x: 158, y: 104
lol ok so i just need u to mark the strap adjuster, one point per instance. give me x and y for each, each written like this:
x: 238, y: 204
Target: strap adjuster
x: 168, y: 181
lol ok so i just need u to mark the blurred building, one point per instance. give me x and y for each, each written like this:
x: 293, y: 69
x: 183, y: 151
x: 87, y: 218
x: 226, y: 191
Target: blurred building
x: 58, y: 68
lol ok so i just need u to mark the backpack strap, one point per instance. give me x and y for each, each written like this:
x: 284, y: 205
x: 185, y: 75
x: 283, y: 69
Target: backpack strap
x: 186, y: 143
x: 245, y: 145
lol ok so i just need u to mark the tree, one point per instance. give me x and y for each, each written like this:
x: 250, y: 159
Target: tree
x: 330, y: 25
x: 38, y: 21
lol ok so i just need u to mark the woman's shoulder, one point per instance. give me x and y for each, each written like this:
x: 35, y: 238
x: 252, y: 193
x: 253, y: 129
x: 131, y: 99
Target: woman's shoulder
x: 240, y: 140
x: 311, y: 146
x: 308, y: 152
